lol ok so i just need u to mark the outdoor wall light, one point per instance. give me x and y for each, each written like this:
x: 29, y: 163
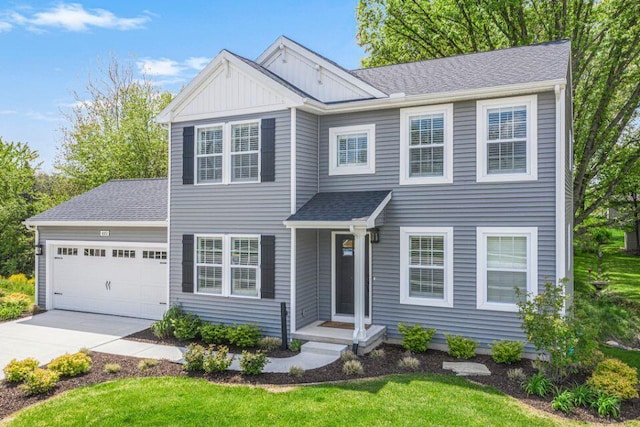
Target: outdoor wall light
x: 38, y: 249
x: 374, y: 234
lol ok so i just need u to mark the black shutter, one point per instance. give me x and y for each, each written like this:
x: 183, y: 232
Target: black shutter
x: 187, y: 155
x: 268, y: 267
x: 268, y: 150
x: 187, y: 263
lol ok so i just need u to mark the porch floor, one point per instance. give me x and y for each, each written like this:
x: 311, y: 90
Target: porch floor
x: 315, y: 332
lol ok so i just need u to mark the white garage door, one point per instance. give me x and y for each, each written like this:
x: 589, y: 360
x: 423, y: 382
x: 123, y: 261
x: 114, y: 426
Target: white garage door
x: 123, y: 280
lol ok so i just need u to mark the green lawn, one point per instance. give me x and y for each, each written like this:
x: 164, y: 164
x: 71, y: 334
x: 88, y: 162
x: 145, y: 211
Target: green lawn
x: 408, y: 400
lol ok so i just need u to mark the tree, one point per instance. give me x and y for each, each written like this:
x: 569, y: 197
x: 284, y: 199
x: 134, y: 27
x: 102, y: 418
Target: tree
x: 626, y: 200
x: 17, y: 197
x: 112, y: 133
x: 605, y: 37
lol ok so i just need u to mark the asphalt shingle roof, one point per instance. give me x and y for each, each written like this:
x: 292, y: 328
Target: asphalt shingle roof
x: 540, y: 62
x: 117, y: 200
x: 340, y: 206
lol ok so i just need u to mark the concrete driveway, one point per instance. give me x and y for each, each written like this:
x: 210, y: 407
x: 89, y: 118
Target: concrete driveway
x: 51, y: 334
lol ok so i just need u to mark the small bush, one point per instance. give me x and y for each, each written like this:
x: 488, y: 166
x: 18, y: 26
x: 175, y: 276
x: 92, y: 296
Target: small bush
x: 17, y: 298
x: 507, y: 351
x: 194, y: 358
x: 296, y: 371
x: 270, y: 343
x: 244, y: 335
x: 18, y: 278
x: 563, y: 402
x: 295, y: 345
x: 516, y: 375
x: 218, y: 361
x: 538, y: 384
x: 187, y: 327
x: 409, y: 363
x: 84, y: 350
x: 112, y: 368
x: 147, y: 364
x: 616, y: 378
x: 253, y: 363
x: 10, y: 312
x: 164, y: 328
x: 461, y: 347
x: 70, y: 365
x: 17, y: 370
x: 607, y: 405
x: 348, y: 355
x: 352, y: 368
x: 415, y: 338
x: 583, y: 395
x: 378, y: 353
x: 214, y: 334
x: 588, y: 364
x: 39, y: 381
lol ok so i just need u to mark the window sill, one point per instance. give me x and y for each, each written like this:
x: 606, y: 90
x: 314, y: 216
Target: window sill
x: 221, y: 296
x: 507, y: 177
x: 426, y: 180
x: 352, y: 171
x: 426, y: 302
x: 496, y: 306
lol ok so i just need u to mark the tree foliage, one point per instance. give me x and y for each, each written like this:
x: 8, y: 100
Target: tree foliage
x: 605, y: 37
x: 112, y: 132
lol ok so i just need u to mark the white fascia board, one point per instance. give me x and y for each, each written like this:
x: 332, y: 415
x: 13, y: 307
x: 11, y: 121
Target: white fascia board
x: 97, y: 223
x: 371, y: 221
x: 223, y: 57
x: 327, y: 65
x: 316, y: 107
x: 325, y: 224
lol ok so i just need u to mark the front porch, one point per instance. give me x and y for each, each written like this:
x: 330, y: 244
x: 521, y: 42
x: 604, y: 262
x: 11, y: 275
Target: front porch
x: 375, y: 334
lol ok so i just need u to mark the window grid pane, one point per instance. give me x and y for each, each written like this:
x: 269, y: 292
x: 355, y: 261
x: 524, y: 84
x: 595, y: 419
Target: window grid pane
x: 352, y: 150
x: 209, y: 279
x: 506, y: 268
x: 245, y: 138
x: 426, y: 266
x: 244, y: 251
x: 243, y: 281
x: 426, y: 145
x: 506, y: 140
x: 244, y: 167
x: 210, y: 141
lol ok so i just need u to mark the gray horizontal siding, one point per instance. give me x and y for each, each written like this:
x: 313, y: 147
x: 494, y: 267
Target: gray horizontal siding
x: 306, y: 278
x: 306, y: 157
x: 116, y: 234
x: 252, y: 208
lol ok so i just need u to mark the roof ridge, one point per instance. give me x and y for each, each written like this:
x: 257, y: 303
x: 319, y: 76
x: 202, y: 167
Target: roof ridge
x: 136, y: 179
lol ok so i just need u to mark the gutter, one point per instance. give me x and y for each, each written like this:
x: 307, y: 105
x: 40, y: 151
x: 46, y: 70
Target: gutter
x: 96, y: 223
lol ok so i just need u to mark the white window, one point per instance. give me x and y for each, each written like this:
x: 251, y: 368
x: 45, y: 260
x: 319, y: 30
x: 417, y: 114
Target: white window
x: 154, y: 255
x: 95, y: 252
x: 507, y: 142
x: 68, y: 251
x: 352, y: 150
x: 227, y: 153
x: 228, y: 265
x: 426, y: 145
x: 123, y: 253
x: 426, y: 266
x: 507, y: 259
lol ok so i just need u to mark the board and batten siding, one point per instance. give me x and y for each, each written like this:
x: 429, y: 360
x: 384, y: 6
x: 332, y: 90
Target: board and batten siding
x: 89, y: 234
x: 247, y: 208
x: 463, y: 205
x: 306, y: 157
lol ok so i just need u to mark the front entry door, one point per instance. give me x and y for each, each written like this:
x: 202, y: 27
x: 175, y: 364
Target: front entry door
x: 344, y: 272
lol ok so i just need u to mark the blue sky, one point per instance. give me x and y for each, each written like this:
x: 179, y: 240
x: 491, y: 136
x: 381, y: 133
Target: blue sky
x: 49, y: 49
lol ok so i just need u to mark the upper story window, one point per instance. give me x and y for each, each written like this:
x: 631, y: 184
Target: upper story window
x: 507, y: 139
x: 228, y: 152
x: 352, y: 150
x: 426, y: 145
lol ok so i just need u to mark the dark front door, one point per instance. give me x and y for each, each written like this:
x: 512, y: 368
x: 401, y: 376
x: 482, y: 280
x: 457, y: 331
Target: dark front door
x: 344, y: 274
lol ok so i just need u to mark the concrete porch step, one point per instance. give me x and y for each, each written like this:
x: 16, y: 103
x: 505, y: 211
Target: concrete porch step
x: 323, y: 348
x: 317, y: 333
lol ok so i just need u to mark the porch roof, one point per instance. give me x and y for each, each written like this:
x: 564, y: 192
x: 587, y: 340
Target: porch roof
x: 340, y: 210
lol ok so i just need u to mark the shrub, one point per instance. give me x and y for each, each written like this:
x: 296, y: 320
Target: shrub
x: 112, y: 368
x: 507, y: 351
x: 164, y: 328
x: 588, y: 364
x: 70, y: 365
x: 583, y: 395
x: 415, y: 338
x: 146, y: 364
x: 217, y: 361
x: 244, y: 335
x: 17, y: 299
x: 295, y: 345
x: 18, y: 278
x: 194, y: 358
x: 17, y: 370
x: 538, y: 384
x: 187, y: 327
x: 348, y: 355
x: 563, y: 402
x: 296, y: 371
x: 352, y: 367
x: 17, y: 283
x: 84, y: 350
x: 516, y: 375
x: 270, y: 343
x: 409, y: 363
x: 10, y: 312
x: 40, y: 381
x: 616, y: 378
x: 607, y: 405
x: 461, y: 347
x: 214, y: 334
x: 378, y: 353
x: 253, y: 363
x: 608, y: 315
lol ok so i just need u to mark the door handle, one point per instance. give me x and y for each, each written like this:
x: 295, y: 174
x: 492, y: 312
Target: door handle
x: 107, y: 285
x: 57, y: 293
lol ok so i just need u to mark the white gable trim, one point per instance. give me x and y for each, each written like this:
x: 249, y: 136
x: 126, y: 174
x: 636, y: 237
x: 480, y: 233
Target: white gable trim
x: 285, y: 43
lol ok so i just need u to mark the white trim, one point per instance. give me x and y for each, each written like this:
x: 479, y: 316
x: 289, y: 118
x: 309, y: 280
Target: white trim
x: 49, y: 259
x: 531, y: 103
x: 447, y: 233
x: 531, y: 233
x: 292, y: 267
x: 405, y: 116
x: 561, y: 258
x: 342, y: 318
x: 196, y: 156
x: 46, y: 223
x: 37, y: 259
x: 370, y: 167
x: 169, y: 219
x: 293, y: 159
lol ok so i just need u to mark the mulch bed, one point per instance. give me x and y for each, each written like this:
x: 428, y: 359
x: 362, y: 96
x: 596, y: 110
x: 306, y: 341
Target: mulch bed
x: 13, y: 399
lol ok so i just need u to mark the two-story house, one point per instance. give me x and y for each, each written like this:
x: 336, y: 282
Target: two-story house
x: 421, y: 193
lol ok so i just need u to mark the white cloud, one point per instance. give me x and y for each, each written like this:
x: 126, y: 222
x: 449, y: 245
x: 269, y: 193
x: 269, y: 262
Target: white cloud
x: 7, y: 112
x: 45, y: 117
x: 160, y: 67
x: 74, y: 17
x: 197, y: 63
x: 5, y: 26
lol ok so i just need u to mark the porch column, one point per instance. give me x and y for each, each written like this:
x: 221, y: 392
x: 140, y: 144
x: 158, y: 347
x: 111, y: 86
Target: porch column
x: 359, y: 331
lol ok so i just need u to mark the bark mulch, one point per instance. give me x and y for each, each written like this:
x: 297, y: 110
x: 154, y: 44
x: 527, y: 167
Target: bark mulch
x: 13, y: 399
